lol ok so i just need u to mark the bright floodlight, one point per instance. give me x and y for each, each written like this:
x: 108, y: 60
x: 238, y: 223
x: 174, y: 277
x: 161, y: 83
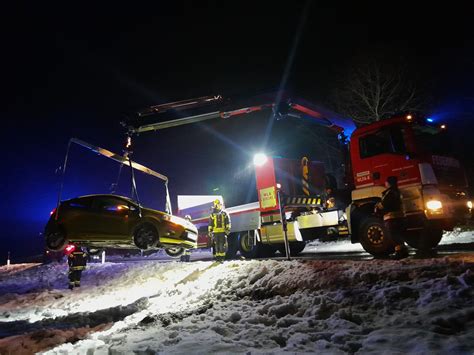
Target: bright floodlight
x: 259, y: 159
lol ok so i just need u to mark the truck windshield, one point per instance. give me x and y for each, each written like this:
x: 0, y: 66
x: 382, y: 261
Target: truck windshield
x: 431, y: 141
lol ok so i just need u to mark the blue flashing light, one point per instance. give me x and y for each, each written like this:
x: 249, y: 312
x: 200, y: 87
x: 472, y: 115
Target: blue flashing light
x: 430, y: 120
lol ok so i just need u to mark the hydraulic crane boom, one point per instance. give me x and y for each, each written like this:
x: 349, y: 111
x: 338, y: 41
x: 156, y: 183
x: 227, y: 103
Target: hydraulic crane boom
x: 285, y: 108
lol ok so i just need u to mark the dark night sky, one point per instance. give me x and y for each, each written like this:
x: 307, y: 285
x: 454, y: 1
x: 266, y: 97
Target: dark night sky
x: 74, y: 70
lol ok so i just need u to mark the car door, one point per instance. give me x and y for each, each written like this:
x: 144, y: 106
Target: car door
x: 75, y: 216
x: 110, y: 220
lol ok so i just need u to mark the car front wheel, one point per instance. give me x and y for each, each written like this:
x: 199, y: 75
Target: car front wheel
x: 145, y: 236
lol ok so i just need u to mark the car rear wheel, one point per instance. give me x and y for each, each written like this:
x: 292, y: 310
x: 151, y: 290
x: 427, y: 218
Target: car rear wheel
x: 145, y: 236
x: 174, y: 252
x: 56, y: 240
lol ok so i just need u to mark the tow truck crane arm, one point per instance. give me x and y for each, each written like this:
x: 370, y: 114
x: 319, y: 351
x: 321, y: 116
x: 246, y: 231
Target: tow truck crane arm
x: 285, y: 108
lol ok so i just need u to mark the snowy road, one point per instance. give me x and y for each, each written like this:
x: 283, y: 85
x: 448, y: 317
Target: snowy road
x: 422, y: 306
x: 452, y: 243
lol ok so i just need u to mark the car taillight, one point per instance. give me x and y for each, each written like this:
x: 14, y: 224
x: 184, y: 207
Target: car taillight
x: 52, y: 212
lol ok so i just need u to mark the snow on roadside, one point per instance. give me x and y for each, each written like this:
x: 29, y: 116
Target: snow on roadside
x: 268, y: 306
x: 458, y: 236
x: 345, y: 245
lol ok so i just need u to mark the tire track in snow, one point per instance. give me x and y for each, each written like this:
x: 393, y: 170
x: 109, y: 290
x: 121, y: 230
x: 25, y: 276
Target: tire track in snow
x: 74, y: 320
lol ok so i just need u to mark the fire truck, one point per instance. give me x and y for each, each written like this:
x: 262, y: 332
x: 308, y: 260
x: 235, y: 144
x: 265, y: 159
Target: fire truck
x: 293, y: 204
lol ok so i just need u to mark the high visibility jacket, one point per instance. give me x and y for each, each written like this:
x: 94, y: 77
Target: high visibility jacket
x: 219, y: 222
x: 77, y: 260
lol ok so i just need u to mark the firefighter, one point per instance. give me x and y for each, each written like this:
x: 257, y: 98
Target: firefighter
x: 219, y: 228
x: 77, y: 260
x: 391, y: 207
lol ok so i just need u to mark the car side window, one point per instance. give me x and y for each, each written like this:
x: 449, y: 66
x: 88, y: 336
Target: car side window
x: 110, y: 204
x: 79, y: 203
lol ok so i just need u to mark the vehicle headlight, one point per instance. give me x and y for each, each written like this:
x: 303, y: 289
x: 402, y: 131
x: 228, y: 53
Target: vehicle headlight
x: 434, y: 205
x: 469, y: 204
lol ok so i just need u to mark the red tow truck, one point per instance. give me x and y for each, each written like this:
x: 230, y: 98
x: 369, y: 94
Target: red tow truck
x: 433, y: 184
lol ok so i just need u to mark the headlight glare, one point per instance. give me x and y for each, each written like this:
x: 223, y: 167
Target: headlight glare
x: 434, y: 205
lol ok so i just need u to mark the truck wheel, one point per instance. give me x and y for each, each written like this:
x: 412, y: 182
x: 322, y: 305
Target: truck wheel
x: 266, y: 251
x: 295, y: 248
x: 425, y: 239
x: 249, y: 245
x: 232, y: 246
x: 174, y: 252
x: 374, y: 237
x: 145, y: 236
x: 56, y: 240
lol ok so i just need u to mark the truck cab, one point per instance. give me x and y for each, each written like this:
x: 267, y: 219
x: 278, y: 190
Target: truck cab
x: 432, y: 183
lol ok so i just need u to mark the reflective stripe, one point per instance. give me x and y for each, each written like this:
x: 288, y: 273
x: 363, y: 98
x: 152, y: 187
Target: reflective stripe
x: 218, y: 223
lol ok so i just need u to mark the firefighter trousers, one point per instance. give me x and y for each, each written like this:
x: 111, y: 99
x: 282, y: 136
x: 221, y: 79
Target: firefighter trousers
x: 395, y: 228
x: 220, y: 245
x: 75, y: 278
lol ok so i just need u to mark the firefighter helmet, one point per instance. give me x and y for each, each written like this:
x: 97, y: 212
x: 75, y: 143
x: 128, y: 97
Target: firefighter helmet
x: 217, y: 204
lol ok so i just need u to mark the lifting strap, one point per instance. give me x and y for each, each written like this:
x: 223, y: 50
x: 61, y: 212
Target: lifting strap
x: 118, y: 158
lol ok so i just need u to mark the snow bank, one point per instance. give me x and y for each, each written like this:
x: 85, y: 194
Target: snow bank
x: 411, y: 306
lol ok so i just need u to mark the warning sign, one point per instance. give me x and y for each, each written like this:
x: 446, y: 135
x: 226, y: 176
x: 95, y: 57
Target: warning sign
x: 268, y: 197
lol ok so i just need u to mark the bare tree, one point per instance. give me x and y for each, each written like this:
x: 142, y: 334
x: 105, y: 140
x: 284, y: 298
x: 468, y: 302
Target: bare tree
x: 374, y: 91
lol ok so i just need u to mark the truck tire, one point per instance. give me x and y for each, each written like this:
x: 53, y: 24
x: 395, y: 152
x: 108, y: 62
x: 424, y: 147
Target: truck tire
x: 295, y: 248
x: 249, y: 246
x: 266, y: 251
x: 425, y: 239
x: 374, y: 237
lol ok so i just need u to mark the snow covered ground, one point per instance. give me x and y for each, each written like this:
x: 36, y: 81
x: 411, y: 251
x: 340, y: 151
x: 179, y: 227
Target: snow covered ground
x: 344, y: 245
x: 422, y: 306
